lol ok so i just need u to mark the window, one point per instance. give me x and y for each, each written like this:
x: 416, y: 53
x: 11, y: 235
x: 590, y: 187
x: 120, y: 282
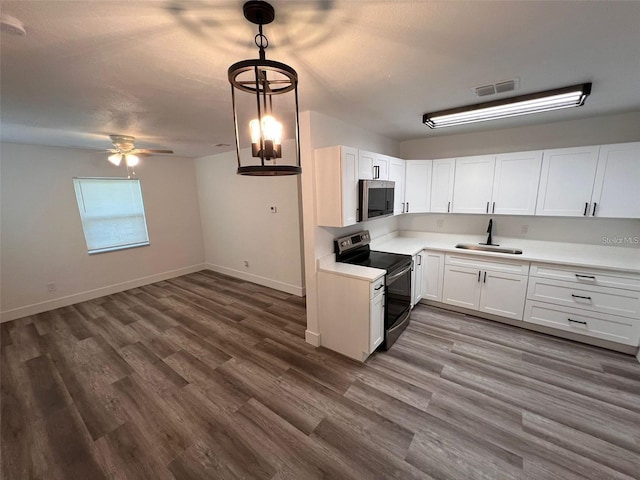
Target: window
x: 112, y: 213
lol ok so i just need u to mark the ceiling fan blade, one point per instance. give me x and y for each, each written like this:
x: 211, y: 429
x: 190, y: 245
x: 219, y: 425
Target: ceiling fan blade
x: 151, y: 150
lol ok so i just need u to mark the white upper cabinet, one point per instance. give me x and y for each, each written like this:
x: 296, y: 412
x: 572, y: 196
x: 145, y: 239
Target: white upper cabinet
x: 473, y: 184
x: 396, y: 174
x: 372, y: 166
x: 418, y: 186
x: 336, y: 186
x: 515, y: 183
x: 566, y: 181
x: 442, y: 185
x: 616, y: 192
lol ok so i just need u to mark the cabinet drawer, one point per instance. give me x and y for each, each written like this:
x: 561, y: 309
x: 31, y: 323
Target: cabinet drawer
x: 584, y: 276
x: 613, y: 301
x: 607, y: 327
x: 485, y: 263
x: 377, y: 287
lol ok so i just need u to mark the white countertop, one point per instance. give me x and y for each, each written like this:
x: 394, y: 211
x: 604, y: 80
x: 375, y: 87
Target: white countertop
x: 573, y: 254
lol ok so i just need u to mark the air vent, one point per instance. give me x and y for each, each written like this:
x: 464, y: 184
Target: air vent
x: 499, y: 87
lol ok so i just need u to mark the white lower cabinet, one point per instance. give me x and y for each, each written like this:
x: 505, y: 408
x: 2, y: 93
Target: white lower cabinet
x: 416, y: 279
x: 491, y: 286
x: 596, y: 303
x: 351, y: 314
x: 432, y: 275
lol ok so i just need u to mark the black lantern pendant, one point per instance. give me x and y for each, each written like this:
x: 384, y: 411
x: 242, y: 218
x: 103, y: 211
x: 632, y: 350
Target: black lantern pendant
x: 268, y: 82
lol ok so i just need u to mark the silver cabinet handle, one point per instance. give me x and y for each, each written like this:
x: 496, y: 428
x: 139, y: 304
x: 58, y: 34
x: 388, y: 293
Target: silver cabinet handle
x: 419, y: 259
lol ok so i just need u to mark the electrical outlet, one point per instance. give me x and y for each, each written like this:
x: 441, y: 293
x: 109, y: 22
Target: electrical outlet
x: 273, y: 209
x: 51, y: 287
x: 246, y: 263
x: 440, y: 223
x: 524, y: 229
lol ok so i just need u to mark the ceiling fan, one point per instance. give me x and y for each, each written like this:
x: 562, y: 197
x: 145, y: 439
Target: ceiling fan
x: 124, y: 148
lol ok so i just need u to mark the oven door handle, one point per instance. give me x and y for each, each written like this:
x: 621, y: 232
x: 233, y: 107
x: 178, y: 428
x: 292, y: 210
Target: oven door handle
x: 399, y: 274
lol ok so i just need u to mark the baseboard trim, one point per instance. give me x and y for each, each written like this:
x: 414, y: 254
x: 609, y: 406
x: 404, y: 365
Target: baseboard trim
x: 40, y: 307
x: 312, y: 337
x: 264, y: 281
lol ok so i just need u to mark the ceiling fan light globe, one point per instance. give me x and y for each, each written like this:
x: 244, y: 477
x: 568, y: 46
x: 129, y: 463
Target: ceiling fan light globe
x: 116, y: 158
x: 132, y: 160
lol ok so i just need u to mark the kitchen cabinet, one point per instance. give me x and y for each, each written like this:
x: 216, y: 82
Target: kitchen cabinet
x: 418, y: 186
x: 566, y: 181
x: 591, y: 302
x: 432, y: 275
x: 336, y: 170
x: 473, y: 184
x: 515, y: 183
x: 417, y: 269
x: 397, y: 174
x: 491, y: 286
x: 442, y: 178
x: 616, y: 192
x: 372, y: 166
x: 351, y: 314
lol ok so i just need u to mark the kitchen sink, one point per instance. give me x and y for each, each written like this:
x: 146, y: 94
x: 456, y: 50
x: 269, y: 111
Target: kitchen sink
x: 489, y: 248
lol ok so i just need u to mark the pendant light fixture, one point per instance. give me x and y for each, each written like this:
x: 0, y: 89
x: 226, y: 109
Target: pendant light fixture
x: 273, y: 90
x: 559, y: 98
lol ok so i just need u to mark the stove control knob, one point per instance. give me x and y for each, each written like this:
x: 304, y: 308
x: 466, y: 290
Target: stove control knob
x: 343, y: 243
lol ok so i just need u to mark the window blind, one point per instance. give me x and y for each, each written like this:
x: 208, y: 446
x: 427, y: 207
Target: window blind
x: 112, y: 213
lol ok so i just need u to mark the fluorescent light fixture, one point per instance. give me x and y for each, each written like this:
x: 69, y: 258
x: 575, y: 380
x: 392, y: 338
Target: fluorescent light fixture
x: 566, y: 97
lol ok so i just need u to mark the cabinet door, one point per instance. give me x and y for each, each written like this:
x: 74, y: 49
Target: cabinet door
x: 432, y: 275
x: 616, y: 192
x: 365, y: 165
x: 416, y: 278
x: 349, y: 163
x: 380, y: 167
x: 396, y: 174
x: 418, y: 186
x: 503, y: 294
x: 473, y: 184
x: 515, y: 183
x: 566, y: 181
x: 442, y: 185
x: 376, y: 323
x: 462, y: 286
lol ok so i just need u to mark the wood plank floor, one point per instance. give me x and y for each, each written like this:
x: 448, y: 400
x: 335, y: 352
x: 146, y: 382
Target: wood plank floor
x: 208, y: 377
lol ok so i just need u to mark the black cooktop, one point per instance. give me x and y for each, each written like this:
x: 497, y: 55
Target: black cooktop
x: 382, y: 260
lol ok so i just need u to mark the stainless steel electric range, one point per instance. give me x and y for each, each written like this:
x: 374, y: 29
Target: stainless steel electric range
x: 355, y: 249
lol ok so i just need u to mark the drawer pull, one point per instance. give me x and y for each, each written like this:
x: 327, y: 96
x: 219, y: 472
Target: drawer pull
x: 379, y: 287
x: 590, y: 277
x: 580, y: 296
x: 577, y: 321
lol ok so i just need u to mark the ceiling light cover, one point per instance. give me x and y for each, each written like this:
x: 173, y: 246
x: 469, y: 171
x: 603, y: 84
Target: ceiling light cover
x: 559, y: 98
x: 268, y: 82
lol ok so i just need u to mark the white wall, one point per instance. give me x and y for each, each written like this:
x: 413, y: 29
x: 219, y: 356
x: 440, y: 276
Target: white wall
x: 590, y: 131
x: 317, y: 131
x: 237, y: 224
x: 593, y: 231
x: 42, y: 239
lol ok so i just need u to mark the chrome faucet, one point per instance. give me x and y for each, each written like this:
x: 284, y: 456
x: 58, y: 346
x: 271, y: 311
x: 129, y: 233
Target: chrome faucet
x: 489, y: 239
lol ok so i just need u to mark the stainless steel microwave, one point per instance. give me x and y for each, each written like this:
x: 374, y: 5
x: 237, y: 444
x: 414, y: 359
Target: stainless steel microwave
x: 376, y: 199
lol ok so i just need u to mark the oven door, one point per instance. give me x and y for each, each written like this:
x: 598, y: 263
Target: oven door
x: 397, y: 304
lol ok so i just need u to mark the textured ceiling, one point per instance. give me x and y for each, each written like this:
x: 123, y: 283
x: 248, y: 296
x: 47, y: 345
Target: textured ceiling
x: 158, y: 70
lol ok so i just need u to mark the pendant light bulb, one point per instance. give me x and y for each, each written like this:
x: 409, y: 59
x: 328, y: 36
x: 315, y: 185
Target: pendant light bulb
x: 116, y: 158
x: 132, y: 160
x: 272, y: 136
